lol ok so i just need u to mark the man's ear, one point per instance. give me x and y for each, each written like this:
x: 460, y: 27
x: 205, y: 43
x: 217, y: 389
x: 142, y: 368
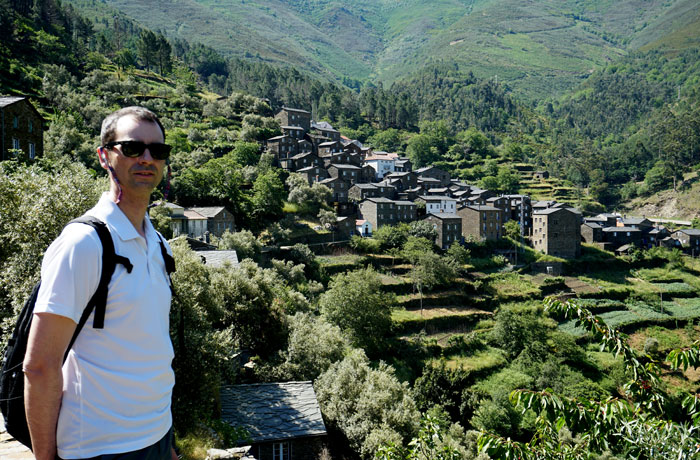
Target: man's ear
x: 102, y: 156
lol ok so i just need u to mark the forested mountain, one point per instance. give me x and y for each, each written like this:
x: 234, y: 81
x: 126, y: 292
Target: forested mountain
x: 536, y: 48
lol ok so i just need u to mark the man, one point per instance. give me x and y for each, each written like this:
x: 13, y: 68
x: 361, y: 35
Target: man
x: 111, y: 398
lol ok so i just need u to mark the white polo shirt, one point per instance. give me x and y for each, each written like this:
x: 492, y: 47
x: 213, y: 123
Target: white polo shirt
x: 117, y: 381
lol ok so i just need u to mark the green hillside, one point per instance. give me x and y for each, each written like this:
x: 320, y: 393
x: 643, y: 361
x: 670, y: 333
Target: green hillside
x: 536, y: 48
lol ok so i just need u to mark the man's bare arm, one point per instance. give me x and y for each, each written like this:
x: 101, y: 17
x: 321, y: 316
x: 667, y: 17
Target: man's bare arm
x: 43, y: 381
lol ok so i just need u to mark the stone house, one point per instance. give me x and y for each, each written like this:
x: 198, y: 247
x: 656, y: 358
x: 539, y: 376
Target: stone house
x: 283, y: 420
x: 314, y: 174
x: 481, y: 222
x: 339, y: 189
x: 378, y: 211
x: 294, y: 117
x: 349, y: 173
x: 540, y: 175
x: 403, y: 165
x: 591, y: 232
x: 521, y: 204
x: 689, y: 238
x: 345, y: 226
x: 436, y: 173
x: 448, y: 226
x: 214, y: 220
x: 604, y: 220
x: 21, y: 128
x: 403, y: 180
x: 359, y: 192
x: 327, y: 148
x: 326, y: 130
x: 341, y: 158
x: 352, y: 146
x: 619, y: 236
x: 406, y: 211
x: 303, y: 160
x: 283, y: 148
x: 427, y: 183
x: 502, y: 203
x: 295, y: 132
x: 557, y: 232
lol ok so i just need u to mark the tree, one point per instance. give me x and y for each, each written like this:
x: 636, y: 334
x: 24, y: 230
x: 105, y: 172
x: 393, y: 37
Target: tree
x: 147, y: 47
x: 312, y: 347
x: 512, y: 230
x: 160, y: 218
x: 246, y: 153
x: 243, y: 242
x: 435, y: 441
x: 163, y: 55
x: 369, y: 406
x: 36, y: 202
x: 634, y: 426
x: 327, y: 218
x: 355, y: 302
x: 422, y: 229
x: 430, y: 270
x: 268, y: 197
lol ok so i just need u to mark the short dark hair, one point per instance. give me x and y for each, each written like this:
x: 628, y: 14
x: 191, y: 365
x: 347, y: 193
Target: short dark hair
x: 109, y: 125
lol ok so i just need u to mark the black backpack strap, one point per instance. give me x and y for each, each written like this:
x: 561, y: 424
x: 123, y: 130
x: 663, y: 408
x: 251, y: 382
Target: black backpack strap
x: 98, y: 301
x: 169, y: 263
x: 170, y: 269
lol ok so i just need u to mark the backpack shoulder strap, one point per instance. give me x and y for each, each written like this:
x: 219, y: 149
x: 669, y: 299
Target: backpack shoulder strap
x: 168, y: 260
x: 98, y: 301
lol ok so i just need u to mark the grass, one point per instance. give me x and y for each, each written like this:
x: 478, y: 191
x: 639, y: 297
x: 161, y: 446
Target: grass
x: 508, y: 286
x: 490, y: 358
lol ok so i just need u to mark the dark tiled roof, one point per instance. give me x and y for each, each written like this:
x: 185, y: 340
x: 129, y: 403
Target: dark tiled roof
x: 208, y: 211
x: 273, y: 411
x: 8, y: 100
x: 344, y: 166
x: 443, y: 215
x: 553, y: 210
x: 690, y: 231
x: 635, y: 220
x: 289, y: 109
x: 435, y: 198
x: 592, y: 225
x: 621, y: 229
x: 481, y: 207
x: 219, y: 258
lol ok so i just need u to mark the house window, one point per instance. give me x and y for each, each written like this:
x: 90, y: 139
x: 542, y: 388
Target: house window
x: 32, y: 150
x: 31, y: 126
x: 280, y: 451
x: 15, y: 143
x: 15, y: 122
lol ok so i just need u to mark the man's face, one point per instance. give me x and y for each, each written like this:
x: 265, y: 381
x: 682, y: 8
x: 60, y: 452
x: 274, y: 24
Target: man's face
x: 141, y: 175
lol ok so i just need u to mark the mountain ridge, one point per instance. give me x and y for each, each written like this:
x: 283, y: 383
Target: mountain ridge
x: 538, y: 49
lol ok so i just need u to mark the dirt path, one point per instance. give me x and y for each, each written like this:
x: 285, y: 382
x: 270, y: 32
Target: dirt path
x: 11, y: 449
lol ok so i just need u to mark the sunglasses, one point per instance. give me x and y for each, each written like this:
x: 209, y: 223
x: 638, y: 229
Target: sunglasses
x: 134, y: 149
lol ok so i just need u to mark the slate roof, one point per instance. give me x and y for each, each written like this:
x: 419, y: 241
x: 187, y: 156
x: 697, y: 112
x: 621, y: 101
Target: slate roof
x: 328, y: 144
x: 443, y: 215
x: 380, y: 199
x: 210, y: 211
x: 481, y: 207
x: 635, y: 220
x: 292, y: 128
x: 344, y: 166
x: 592, y: 225
x: 427, y: 179
x: 193, y: 215
x: 553, y: 210
x: 8, y: 100
x: 436, y: 198
x: 690, y: 231
x: 289, y: 109
x: 219, y: 258
x: 365, y: 186
x: 273, y: 411
x: 621, y: 229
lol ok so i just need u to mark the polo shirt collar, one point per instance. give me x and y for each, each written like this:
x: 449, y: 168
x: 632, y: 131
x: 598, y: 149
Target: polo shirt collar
x: 107, y: 210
